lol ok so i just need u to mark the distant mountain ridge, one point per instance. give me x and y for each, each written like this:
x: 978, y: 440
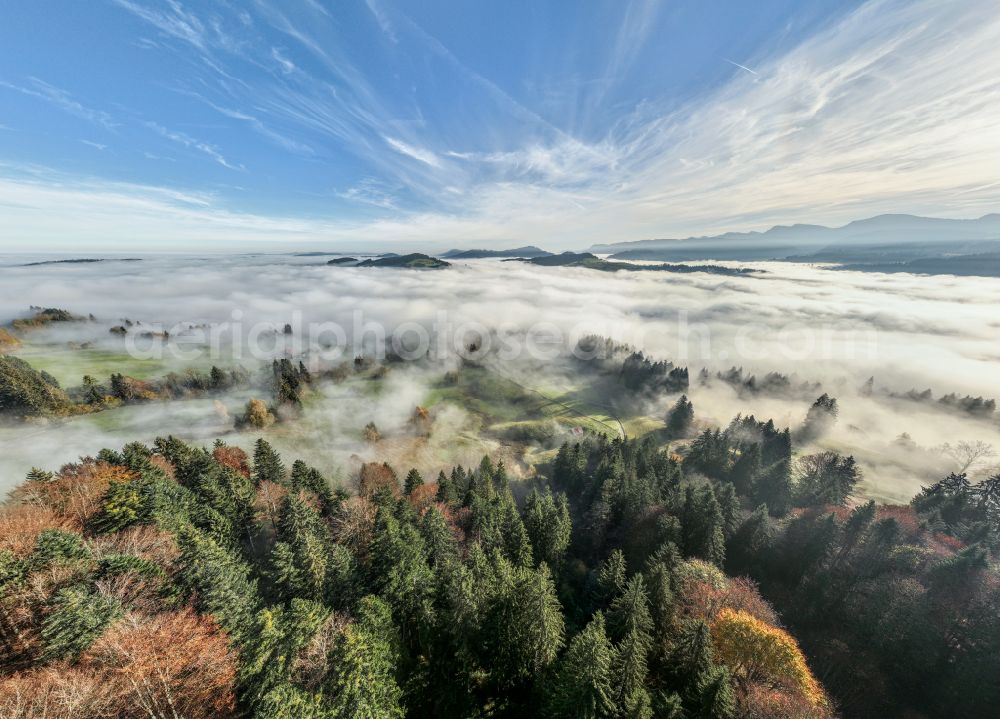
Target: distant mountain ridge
x: 526, y: 251
x: 414, y: 260
x: 800, y: 239
x: 592, y: 262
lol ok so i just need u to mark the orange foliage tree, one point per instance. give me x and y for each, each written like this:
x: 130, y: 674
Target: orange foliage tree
x: 759, y: 653
x: 173, y: 664
x: 233, y: 457
x: 169, y: 664
x: 374, y: 477
x: 76, y: 492
x: 20, y: 525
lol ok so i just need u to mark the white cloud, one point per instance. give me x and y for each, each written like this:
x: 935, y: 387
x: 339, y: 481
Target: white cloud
x: 286, y: 65
x: 417, y: 153
x: 175, y: 21
x: 190, y: 142
x: 383, y: 20
x: 63, y: 100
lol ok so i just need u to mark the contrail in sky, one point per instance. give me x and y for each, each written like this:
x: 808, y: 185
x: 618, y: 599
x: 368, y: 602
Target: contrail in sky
x: 742, y: 67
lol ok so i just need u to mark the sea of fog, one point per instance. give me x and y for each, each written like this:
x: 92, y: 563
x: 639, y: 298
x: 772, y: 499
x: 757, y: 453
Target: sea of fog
x: 819, y: 325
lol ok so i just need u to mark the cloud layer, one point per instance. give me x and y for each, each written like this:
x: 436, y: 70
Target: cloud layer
x: 836, y: 328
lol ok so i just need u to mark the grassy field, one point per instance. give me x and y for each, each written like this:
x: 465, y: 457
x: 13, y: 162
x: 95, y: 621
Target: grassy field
x: 69, y: 365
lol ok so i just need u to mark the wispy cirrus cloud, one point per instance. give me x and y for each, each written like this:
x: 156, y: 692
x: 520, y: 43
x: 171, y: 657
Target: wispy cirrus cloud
x: 173, y: 20
x: 383, y: 20
x: 370, y: 191
x: 192, y: 143
x: 892, y: 107
x: 63, y: 100
x: 417, y: 153
x: 286, y: 65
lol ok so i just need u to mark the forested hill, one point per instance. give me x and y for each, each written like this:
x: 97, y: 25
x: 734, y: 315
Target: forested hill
x: 176, y: 581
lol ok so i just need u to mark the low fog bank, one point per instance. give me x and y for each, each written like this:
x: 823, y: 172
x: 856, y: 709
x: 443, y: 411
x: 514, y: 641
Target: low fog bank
x: 832, y: 328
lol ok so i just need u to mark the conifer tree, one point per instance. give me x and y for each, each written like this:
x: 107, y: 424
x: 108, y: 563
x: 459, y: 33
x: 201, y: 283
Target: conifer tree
x: 438, y: 539
x: 716, y: 698
x: 680, y: 418
x: 629, y: 620
x: 361, y: 679
x: 748, y: 541
x: 412, y: 481
x: 305, y: 477
x: 702, y: 523
x: 447, y: 492
x: 77, y: 617
x: 300, y: 555
x: 267, y: 466
x: 549, y: 527
x: 583, y: 686
x: 270, y: 647
x: 610, y: 578
x: 538, y: 625
x: 746, y: 469
x: 220, y: 581
x: 500, y: 480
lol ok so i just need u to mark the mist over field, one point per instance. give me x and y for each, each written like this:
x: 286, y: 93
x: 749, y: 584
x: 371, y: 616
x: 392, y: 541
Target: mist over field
x: 828, y: 330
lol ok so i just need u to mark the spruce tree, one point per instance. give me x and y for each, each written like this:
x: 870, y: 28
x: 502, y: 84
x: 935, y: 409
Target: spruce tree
x: 610, y: 579
x: 361, y: 678
x: 583, y: 686
x: 447, y: 493
x: 438, y: 539
x: 629, y: 620
x: 538, y: 626
x: 302, y: 550
x: 76, y: 618
x: 412, y: 481
x: 680, y: 418
x: 267, y: 466
x: 549, y: 527
x: 702, y: 524
x: 220, y: 580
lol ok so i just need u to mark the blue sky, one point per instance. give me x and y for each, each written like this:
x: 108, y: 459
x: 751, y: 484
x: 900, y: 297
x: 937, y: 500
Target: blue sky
x: 170, y: 124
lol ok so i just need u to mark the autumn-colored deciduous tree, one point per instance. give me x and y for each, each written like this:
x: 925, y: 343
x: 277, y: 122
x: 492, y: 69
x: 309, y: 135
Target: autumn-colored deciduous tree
x: 233, y: 457
x: 20, y: 525
x: 374, y: 477
x: 75, y: 494
x: 758, y: 700
x: 423, y: 497
x: 172, y: 664
x: 256, y: 415
x: 371, y: 433
x: 704, y: 600
x: 354, y: 527
x: 757, y: 652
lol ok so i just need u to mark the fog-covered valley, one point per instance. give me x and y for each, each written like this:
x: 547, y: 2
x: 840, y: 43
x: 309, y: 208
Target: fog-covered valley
x: 825, y: 331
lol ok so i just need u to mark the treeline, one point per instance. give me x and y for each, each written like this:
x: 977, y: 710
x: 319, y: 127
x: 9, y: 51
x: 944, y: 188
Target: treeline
x: 975, y: 406
x: 638, y: 373
x: 599, y: 594
x: 772, y: 383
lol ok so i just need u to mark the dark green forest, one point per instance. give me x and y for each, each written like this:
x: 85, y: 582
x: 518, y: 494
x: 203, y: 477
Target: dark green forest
x: 622, y: 581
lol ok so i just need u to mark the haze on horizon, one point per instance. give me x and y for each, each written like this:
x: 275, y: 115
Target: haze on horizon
x: 383, y: 125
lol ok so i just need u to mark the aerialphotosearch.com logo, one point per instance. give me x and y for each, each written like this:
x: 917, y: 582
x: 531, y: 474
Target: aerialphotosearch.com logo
x: 445, y: 335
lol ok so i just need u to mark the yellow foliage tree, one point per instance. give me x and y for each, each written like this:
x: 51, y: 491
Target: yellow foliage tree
x: 757, y: 652
x: 7, y: 340
x: 257, y: 415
